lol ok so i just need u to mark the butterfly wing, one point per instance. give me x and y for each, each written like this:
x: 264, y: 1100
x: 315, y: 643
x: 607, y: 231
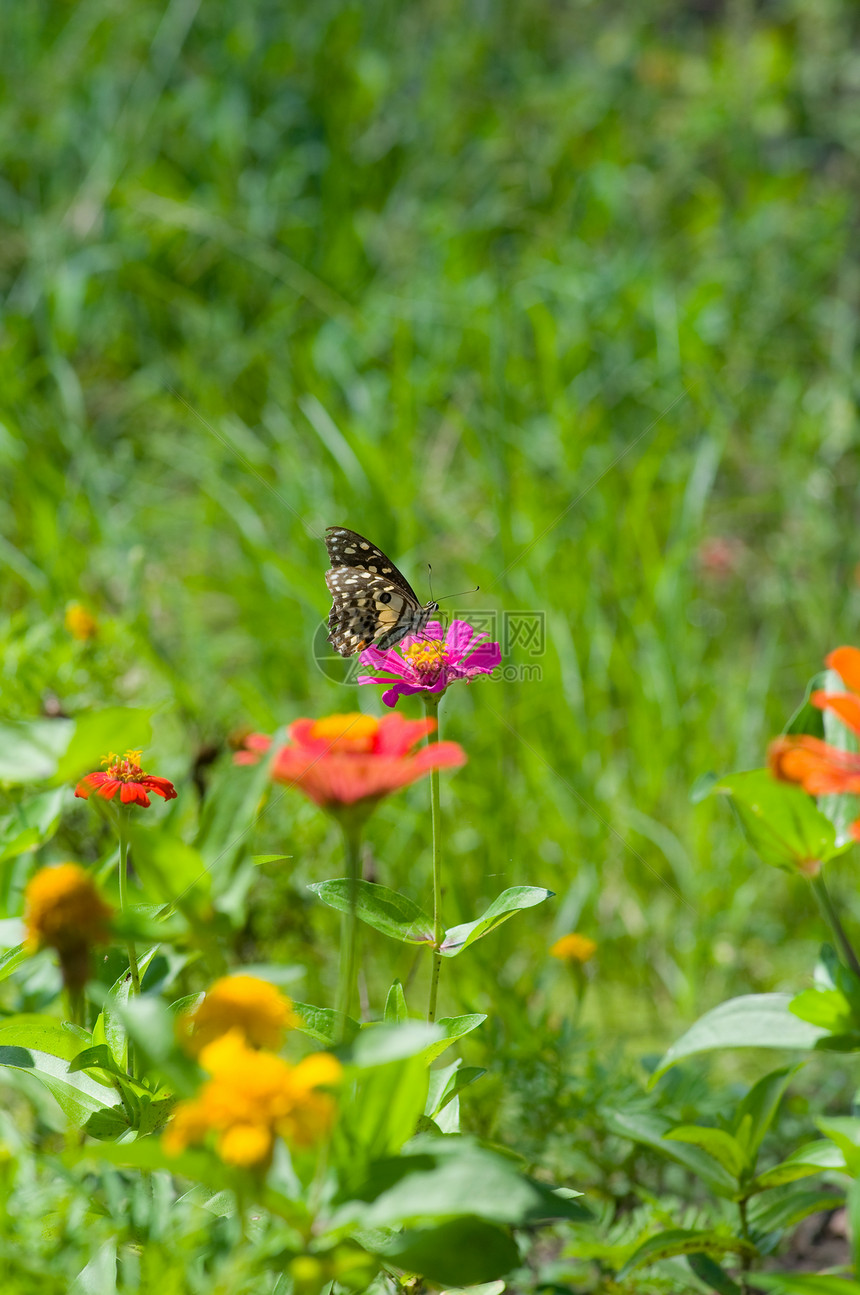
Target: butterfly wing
x: 372, y: 602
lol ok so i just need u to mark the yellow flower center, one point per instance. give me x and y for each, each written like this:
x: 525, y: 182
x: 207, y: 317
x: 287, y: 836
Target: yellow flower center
x: 126, y: 769
x: 352, y: 732
x: 427, y: 657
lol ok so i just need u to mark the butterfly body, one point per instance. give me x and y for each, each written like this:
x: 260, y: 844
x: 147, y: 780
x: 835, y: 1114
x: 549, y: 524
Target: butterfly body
x: 373, y: 604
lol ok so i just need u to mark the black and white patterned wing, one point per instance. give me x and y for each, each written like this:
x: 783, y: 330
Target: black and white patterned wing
x: 349, y: 549
x: 372, y: 603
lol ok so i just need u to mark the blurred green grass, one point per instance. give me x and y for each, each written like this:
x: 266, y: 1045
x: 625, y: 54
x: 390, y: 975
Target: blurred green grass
x: 562, y: 298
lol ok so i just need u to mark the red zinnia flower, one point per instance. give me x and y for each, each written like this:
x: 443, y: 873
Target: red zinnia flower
x: 344, y: 759
x: 819, y: 768
x: 126, y: 777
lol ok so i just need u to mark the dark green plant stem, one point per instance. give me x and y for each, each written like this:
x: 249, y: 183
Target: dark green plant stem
x: 843, y: 944
x: 349, y: 941
x: 431, y: 707
x: 745, y: 1258
x: 122, y: 828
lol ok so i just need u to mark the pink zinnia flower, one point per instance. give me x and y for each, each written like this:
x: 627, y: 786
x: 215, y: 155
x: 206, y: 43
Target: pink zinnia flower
x: 432, y: 662
x: 345, y: 759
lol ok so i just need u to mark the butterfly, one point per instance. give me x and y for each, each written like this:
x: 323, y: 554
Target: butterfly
x: 372, y: 602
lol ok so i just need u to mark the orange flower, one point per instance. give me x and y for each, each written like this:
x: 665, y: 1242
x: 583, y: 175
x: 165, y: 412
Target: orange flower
x: 574, y: 948
x: 818, y: 767
x: 252, y: 1098
x: 345, y: 759
x: 255, y: 1007
x: 126, y: 777
x: 64, y: 911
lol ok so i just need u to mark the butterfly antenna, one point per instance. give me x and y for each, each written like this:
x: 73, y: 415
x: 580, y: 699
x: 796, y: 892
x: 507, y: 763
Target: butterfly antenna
x: 459, y: 595
x: 430, y: 578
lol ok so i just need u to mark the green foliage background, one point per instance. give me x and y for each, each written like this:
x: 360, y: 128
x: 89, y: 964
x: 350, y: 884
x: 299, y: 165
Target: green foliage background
x: 552, y: 295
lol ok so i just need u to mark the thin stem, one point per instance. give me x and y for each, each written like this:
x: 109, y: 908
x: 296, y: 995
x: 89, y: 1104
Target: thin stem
x: 123, y: 896
x: 846, y: 949
x: 431, y: 706
x: 349, y: 941
x: 745, y: 1258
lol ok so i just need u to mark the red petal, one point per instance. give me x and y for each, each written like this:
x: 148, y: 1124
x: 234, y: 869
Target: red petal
x: 133, y: 793
x: 440, y: 755
x: 844, y: 704
x: 846, y: 662
x: 108, y: 789
x: 396, y: 735
x: 161, y: 786
x: 90, y: 783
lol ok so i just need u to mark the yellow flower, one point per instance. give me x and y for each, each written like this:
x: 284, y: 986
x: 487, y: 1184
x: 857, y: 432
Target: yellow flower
x: 80, y: 623
x: 574, y: 948
x: 252, y: 1098
x: 255, y: 1007
x: 64, y: 910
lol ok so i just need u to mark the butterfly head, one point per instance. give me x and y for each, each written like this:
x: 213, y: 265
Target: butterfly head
x: 431, y: 606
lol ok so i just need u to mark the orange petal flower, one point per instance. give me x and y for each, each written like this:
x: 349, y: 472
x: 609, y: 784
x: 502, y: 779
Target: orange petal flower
x: 126, y: 777
x: 820, y: 768
x: 344, y: 759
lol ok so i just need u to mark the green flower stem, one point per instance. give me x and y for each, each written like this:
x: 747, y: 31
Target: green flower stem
x: 431, y: 707
x: 843, y: 944
x: 349, y: 941
x: 123, y: 893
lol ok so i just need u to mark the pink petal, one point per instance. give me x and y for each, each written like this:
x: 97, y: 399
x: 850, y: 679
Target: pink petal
x: 484, y: 659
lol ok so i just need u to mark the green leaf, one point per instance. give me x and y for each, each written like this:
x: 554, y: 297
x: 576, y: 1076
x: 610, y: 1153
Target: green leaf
x: 385, y: 910
x: 379, y: 1043
x: 650, y: 1130
x: 751, y: 1021
x: 757, y: 1111
x: 170, y: 869
x: 108, y: 1124
x: 844, y: 1131
x: 76, y: 1095
x: 454, y: 1028
x: 324, y: 1024
x: 460, y: 1252
x: 29, y: 751
x: 785, y: 1209
x: 827, y: 1008
x: 714, y: 1277
x: 682, y: 1241
x: 113, y: 1024
x: 11, y: 959
x: 807, y: 1160
x: 117, y: 728
x: 395, y: 1005
x: 852, y: 1203
x: 780, y: 821
x: 44, y: 1033
x: 443, y: 1177
x: 387, y: 1101
x: 504, y: 906
x: 33, y: 822
x: 805, y: 1284
x: 447, y: 1083
x: 717, y: 1143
